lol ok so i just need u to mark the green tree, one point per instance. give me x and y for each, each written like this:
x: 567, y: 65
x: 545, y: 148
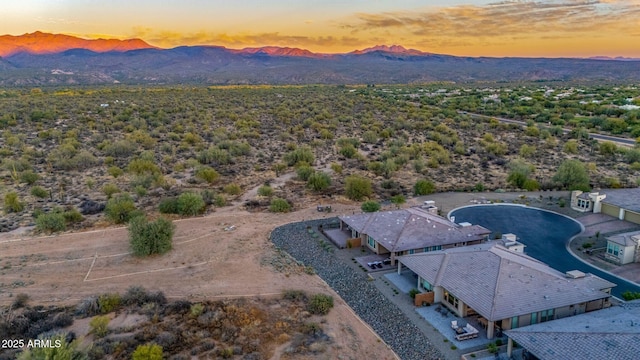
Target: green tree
x: 190, y: 204
x: 147, y: 238
x: 318, y: 181
x: 572, y: 174
x: 519, y: 172
x: 357, y: 188
x: 148, y: 352
x: 370, y: 206
x: 120, y: 209
x: 424, y: 187
x: 279, y: 205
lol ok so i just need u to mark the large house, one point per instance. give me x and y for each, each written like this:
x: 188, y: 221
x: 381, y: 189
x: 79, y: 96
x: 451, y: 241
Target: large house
x: 621, y: 203
x: 410, y: 231
x: 623, y: 248
x: 506, y: 289
x: 612, y: 333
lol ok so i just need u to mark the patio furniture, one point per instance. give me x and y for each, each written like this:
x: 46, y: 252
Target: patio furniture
x: 483, y: 322
x: 469, y: 333
x: 454, y: 324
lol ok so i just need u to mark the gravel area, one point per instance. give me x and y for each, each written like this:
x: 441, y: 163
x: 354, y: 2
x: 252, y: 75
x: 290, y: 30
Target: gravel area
x: 310, y: 248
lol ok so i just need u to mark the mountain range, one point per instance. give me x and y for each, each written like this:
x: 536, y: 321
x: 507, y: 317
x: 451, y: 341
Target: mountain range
x: 54, y: 59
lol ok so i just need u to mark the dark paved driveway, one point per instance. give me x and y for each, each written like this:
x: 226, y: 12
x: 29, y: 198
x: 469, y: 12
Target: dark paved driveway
x: 545, y: 234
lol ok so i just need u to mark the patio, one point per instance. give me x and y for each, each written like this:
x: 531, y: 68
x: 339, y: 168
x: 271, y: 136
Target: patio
x: 379, y: 260
x: 338, y: 237
x: 440, y: 317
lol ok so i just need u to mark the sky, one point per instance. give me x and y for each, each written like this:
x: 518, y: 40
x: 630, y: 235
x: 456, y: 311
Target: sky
x: 555, y: 28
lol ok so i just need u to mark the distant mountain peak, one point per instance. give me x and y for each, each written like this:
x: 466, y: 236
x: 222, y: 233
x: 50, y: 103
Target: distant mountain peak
x: 278, y: 51
x: 40, y: 42
x: 394, y: 49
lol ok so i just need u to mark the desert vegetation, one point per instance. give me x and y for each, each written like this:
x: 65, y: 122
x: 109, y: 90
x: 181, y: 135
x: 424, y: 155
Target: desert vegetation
x: 153, y: 328
x: 114, y: 153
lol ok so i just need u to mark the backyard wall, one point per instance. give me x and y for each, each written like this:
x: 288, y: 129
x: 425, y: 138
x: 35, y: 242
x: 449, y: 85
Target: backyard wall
x: 424, y: 297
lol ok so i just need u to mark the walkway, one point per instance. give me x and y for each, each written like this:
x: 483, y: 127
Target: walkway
x: 546, y: 235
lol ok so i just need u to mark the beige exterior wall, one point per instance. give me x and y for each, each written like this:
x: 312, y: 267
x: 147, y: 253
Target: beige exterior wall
x: 610, y: 210
x: 631, y: 216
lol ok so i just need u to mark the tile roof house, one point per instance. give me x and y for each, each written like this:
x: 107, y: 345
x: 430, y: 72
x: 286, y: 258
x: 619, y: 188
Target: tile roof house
x: 409, y: 231
x: 508, y: 289
x: 623, y: 248
x: 621, y: 203
x: 612, y: 333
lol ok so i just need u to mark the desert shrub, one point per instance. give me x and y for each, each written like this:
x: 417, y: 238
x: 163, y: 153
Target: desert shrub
x: 207, y: 174
x: 142, y: 167
x: 302, y: 154
x: 318, y: 181
x: 215, y: 156
x: 304, y: 172
x: 348, y: 151
x: 265, y: 190
x: 219, y: 201
x: 99, y: 326
x: 413, y: 293
x: 370, y: 137
x: 279, y: 205
x: 358, y: 188
x: 20, y: 301
x: 108, y: 302
x: 232, y: 189
x: 39, y: 192
x: 630, y: 295
x: 424, y: 187
x: 337, y: 168
x: 110, y: 189
x: 531, y: 185
x: 120, y: 209
x: 320, y: 304
x: 168, y: 206
x: 29, y: 177
x: 295, y: 295
x: 398, y: 199
x: 519, y: 172
x: 147, y: 238
x: 570, y: 147
x: 84, y: 160
x: 12, y: 202
x: 196, y: 310
x: 527, y: 151
x: 148, y: 352
x: 190, y: 204
x: 51, y: 222
x: 66, y: 350
x: 138, y: 295
x: 72, y: 216
x: 114, y: 171
x: 370, y: 206
x: 120, y: 148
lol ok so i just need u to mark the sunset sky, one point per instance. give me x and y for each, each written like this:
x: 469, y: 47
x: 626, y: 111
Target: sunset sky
x: 574, y: 28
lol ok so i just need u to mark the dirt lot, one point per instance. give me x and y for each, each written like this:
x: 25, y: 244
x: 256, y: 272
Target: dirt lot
x: 207, y: 262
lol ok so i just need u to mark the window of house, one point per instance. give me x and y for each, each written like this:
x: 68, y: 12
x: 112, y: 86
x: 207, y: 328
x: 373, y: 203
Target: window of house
x: 411, y: 251
x: 546, y: 315
x: 514, y: 322
x: 371, y: 242
x: 451, y: 299
x: 426, y: 285
x: 534, y: 318
x: 613, y: 249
